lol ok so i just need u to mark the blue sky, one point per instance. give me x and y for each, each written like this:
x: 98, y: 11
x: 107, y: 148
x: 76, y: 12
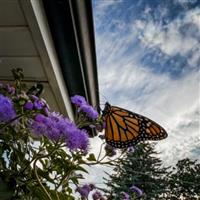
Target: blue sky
x: 148, y: 56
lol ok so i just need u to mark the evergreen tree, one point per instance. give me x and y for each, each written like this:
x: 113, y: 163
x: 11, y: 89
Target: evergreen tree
x: 184, y: 180
x: 141, y: 168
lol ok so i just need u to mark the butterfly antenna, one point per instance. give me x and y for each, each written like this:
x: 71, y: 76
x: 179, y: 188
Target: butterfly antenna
x: 104, y: 99
x: 101, y: 95
x: 98, y: 107
x: 102, y: 104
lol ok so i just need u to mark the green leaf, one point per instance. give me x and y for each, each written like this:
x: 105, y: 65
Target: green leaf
x: 69, y: 190
x: 40, y: 194
x: 5, y: 191
x: 62, y: 196
x: 91, y: 157
x: 79, y: 168
x: 22, y: 102
x: 74, y: 179
x: 45, y: 174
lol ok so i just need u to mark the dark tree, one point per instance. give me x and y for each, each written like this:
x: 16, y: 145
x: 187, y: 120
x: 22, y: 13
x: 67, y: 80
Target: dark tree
x: 184, y: 180
x: 141, y: 168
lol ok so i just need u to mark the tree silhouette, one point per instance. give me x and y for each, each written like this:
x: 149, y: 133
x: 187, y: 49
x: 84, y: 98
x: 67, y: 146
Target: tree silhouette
x: 141, y: 168
x: 184, y: 180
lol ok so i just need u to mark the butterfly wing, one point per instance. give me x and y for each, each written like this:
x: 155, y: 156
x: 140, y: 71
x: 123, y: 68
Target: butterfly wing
x: 125, y: 128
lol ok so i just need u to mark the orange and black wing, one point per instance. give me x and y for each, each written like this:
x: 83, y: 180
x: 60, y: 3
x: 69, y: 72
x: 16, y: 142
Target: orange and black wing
x: 125, y: 128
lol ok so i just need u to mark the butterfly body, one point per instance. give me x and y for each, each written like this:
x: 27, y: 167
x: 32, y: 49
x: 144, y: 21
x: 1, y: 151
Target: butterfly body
x: 125, y: 128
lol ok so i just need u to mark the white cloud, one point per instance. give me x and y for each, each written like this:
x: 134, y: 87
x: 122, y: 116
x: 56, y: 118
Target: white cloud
x: 194, y: 60
x: 184, y: 138
x: 174, y: 103
x: 169, y: 38
x: 186, y: 1
x: 147, y: 10
x: 101, y: 7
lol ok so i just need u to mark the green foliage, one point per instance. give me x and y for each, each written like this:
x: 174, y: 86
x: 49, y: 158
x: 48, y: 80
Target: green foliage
x: 140, y: 168
x: 91, y: 157
x: 35, y: 167
x: 144, y: 169
x: 184, y: 180
x: 38, y: 168
x: 24, y: 167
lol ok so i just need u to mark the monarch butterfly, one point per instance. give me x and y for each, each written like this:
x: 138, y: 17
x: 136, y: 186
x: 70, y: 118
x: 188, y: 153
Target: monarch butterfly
x: 124, y: 128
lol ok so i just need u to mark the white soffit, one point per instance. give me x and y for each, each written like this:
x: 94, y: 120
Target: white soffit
x: 26, y: 43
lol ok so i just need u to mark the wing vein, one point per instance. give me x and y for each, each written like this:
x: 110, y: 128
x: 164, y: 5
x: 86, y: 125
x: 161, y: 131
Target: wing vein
x: 111, y: 127
x: 130, y: 121
x: 131, y: 126
x: 118, y: 126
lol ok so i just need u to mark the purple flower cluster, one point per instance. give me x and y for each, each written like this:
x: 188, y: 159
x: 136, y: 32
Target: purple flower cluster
x: 77, y: 139
x: 39, y: 104
x: 55, y: 127
x: 34, y: 103
x: 7, y: 111
x: 131, y: 150
x: 8, y: 88
x: 85, y: 190
x: 28, y: 105
x: 97, y: 196
x: 126, y: 196
x: 101, y: 126
x: 78, y: 100
x: 137, y: 190
x: 84, y: 107
x: 134, y: 189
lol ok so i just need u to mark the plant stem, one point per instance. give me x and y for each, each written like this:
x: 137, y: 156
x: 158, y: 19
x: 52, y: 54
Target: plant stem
x: 38, y: 179
x: 63, y: 178
x: 36, y: 174
x: 100, y: 151
x: 12, y: 120
x: 57, y: 195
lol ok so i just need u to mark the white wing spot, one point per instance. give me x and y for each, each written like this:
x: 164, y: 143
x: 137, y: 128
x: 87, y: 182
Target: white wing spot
x: 148, y: 124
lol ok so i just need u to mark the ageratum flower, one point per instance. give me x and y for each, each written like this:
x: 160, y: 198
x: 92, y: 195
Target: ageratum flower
x: 7, y: 87
x: 22, y: 96
x: 10, y: 89
x: 7, y: 112
x: 85, y: 190
x: 35, y: 98
x: 97, y: 196
x: 126, y: 196
x: 50, y: 126
x: 77, y: 139
x: 34, y: 103
x: 37, y: 126
x: 78, y: 100
x: 110, y: 151
x: 39, y: 104
x: 101, y: 126
x: 131, y: 150
x: 84, y: 107
x: 89, y: 111
x: 137, y: 190
x: 28, y: 105
x: 55, y: 127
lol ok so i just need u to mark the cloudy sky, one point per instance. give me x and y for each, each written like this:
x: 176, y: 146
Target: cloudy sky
x: 148, y: 55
